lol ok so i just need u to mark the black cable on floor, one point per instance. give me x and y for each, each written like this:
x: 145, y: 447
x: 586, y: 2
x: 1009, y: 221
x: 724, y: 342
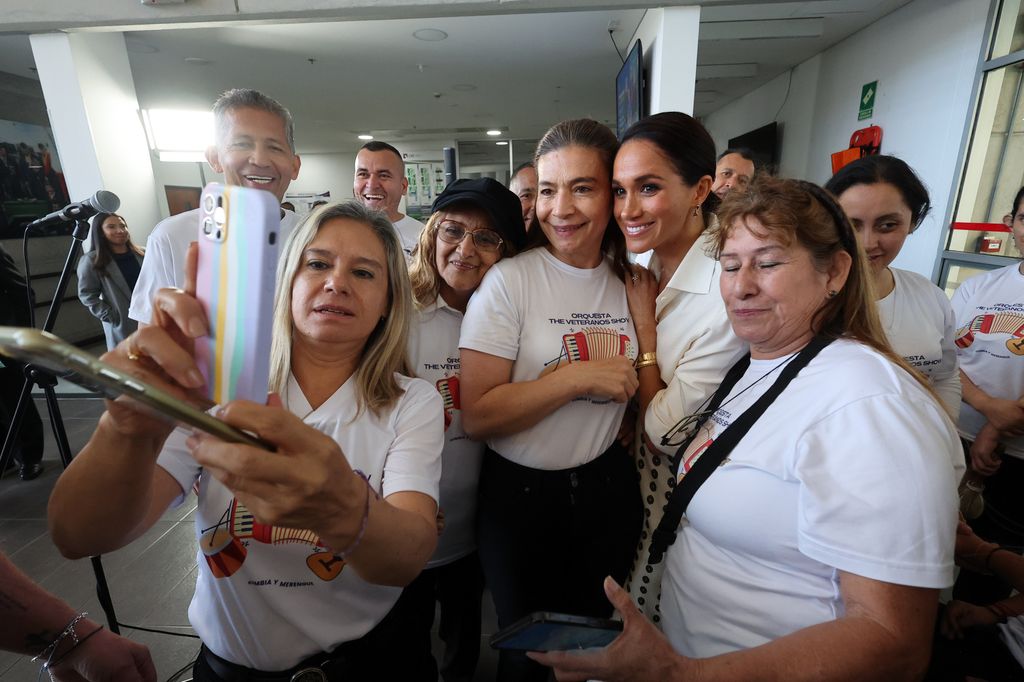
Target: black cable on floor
x: 157, y: 631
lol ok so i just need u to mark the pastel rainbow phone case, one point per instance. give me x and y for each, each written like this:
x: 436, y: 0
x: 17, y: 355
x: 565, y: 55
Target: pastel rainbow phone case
x: 239, y: 230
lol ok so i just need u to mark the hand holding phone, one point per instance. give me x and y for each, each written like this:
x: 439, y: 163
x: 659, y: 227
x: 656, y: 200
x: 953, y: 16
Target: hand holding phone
x: 547, y: 631
x: 50, y: 353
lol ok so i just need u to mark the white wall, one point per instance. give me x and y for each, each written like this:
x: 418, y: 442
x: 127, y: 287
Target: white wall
x: 670, y: 64
x: 90, y: 98
x: 924, y: 56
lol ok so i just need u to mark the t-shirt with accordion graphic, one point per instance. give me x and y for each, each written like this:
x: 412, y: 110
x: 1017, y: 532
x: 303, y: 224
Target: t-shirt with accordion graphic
x: 544, y: 315
x: 267, y: 597
x: 989, y: 312
x: 434, y: 354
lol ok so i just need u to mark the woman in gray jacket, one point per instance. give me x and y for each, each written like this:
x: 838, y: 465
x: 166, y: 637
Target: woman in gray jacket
x: 107, y: 275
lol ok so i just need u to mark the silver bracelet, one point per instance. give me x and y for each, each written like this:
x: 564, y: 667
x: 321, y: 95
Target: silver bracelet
x: 69, y: 630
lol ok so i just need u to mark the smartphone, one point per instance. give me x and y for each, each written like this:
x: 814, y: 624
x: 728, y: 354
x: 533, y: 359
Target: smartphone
x: 239, y: 230
x: 63, y: 360
x: 547, y: 631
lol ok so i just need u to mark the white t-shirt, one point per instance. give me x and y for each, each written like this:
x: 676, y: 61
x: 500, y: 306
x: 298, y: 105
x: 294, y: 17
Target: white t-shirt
x: 919, y: 324
x: 434, y: 354
x: 853, y: 468
x: 409, y: 229
x: 989, y: 313
x: 164, y: 264
x: 267, y: 597
x: 696, y: 343
x: 542, y: 314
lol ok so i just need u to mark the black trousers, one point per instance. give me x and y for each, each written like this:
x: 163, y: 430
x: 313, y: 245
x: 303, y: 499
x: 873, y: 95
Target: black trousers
x: 1002, y: 522
x: 548, y: 538
x: 458, y: 589
x: 375, y: 656
x: 28, y: 448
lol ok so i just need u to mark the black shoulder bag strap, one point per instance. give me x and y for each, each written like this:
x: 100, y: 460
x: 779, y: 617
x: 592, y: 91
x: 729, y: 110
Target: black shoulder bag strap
x: 665, y: 534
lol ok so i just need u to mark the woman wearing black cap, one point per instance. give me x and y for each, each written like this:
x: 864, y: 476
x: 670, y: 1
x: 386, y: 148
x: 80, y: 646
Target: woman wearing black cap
x: 475, y: 223
x: 547, y: 355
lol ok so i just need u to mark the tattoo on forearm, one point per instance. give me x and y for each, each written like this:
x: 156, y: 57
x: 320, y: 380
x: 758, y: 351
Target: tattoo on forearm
x: 8, y: 602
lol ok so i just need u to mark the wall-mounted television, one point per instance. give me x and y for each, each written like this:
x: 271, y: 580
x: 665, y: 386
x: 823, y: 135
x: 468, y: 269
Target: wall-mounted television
x: 629, y: 90
x: 763, y: 144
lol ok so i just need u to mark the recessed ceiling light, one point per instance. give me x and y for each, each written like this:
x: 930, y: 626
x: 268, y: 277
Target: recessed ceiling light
x: 502, y: 143
x: 431, y: 35
x: 494, y: 133
x: 464, y: 87
x: 365, y: 137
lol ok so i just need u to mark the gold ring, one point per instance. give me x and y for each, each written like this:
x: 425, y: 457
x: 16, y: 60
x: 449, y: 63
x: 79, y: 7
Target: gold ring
x: 133, y: 351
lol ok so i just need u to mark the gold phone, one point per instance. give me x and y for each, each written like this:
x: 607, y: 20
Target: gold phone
x: 63, y: 360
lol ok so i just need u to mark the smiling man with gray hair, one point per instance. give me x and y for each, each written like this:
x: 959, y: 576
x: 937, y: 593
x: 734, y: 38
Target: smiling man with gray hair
x: 255, y: 147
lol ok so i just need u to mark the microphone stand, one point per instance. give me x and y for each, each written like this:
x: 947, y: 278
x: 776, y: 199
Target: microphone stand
x: 47, y: 382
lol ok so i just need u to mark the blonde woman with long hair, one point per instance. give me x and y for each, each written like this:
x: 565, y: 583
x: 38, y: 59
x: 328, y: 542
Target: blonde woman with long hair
x: 303, y: 551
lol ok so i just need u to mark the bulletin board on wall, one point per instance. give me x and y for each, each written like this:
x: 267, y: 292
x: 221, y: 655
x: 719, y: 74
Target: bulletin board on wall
x: 426, y: 181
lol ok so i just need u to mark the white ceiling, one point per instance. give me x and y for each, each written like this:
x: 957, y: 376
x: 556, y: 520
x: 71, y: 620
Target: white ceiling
x: 527, y: 70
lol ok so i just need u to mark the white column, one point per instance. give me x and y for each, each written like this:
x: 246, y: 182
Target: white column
x: 90, y: 98
x: 669, y: 39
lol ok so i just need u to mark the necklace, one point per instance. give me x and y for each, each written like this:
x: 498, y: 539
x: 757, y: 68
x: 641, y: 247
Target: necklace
x: 684, y: 428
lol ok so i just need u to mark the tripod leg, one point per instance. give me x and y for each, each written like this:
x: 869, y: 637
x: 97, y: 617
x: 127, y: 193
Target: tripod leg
x: 57, y: 422
x: 61, y: 436
x: 15, y: 426
x: 103, y: 594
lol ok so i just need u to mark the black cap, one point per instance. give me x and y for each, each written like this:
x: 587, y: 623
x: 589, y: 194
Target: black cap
x: 495, y: 199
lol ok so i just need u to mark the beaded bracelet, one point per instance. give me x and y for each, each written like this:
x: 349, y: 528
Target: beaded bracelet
x: 344, y: 554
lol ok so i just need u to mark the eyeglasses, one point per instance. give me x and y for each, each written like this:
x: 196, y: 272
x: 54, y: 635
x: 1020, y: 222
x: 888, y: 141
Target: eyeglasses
x: 683, y: 429
x: 484, y: 239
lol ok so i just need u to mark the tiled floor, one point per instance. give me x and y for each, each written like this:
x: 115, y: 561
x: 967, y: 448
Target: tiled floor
x: 151, y: 581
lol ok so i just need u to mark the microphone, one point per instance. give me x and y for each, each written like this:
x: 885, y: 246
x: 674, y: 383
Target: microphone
x: 101, y: 202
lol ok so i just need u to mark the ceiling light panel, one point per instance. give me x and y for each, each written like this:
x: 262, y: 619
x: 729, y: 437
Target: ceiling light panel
x: 709, y: 71
x: 772, y: 29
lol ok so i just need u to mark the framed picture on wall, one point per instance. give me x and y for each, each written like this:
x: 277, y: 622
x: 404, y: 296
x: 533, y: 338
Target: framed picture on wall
x: 181, y: 199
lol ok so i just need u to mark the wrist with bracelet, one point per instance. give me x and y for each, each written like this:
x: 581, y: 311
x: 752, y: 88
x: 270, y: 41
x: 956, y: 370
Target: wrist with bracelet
x: 648, y: 359
x: 51, y: 651
x: 347, y: 552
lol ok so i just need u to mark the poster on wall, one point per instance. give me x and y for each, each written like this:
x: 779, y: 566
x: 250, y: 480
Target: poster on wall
x: 31, y: 181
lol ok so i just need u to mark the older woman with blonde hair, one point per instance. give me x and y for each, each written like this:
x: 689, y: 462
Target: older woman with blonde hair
x: 303, y: 551
x: 818, y: 482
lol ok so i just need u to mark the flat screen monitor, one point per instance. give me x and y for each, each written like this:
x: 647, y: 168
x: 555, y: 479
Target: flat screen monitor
x: 763, y: 143
x: 629, y: 90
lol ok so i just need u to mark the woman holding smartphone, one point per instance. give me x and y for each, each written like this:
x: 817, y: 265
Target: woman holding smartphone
x: 107, y: 276
x: 302, y: 551
x: 474, y: 224
x: 547, y: 347
x: 663, y: 203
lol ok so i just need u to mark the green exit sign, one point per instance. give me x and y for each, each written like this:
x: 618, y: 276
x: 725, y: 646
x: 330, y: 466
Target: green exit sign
x: 867, y: 100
